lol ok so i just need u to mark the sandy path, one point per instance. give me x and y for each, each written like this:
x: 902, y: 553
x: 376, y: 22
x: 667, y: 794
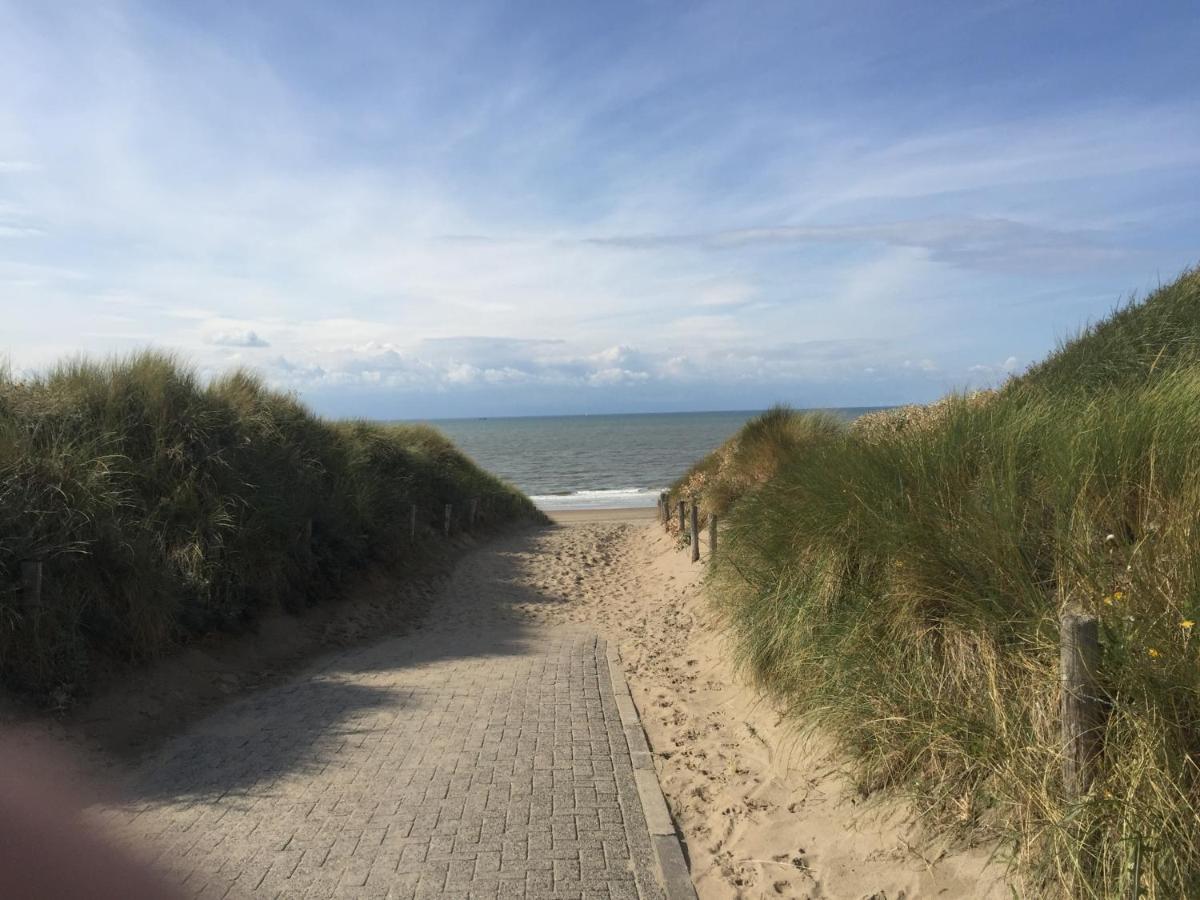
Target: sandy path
x: 764, y: 813
x: 479, y: 755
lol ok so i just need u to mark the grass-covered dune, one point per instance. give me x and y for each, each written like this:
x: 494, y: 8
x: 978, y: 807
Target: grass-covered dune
x: 162, y: 507
x: 899, y: 582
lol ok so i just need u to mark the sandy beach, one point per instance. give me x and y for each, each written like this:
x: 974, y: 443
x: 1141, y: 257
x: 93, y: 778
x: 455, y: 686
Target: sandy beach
x: 764, y: 811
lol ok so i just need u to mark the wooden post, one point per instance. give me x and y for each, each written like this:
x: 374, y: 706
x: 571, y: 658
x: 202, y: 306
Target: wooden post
x: 1082, y: 707
x: 471, y: 515
x: 682, y: 526
x: 695, y: 531
x: 448, y: 514
x: 712, y: 535
x: 664, y: 501
x: 412, y: 523
x: 31, y: 584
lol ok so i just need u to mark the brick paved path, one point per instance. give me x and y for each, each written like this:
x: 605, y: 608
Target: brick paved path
x: 480, y: 757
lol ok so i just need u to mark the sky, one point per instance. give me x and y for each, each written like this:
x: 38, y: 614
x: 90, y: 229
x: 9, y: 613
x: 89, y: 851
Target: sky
x: 408, y: 210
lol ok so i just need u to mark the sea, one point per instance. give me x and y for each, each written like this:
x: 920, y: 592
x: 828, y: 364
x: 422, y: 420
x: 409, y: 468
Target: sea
x: 596, y: 462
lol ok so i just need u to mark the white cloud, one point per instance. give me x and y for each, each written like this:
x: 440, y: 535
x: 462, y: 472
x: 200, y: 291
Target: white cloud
x: 436, y: 229
x: 970, y: 242
x: 611, y: 377
x: 19, y: 231
x: 923, y: 365
x: 725, y: 293
x: 983, y: 375
x: 236, y: 339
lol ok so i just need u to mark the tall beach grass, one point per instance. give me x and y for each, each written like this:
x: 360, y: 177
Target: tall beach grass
x: 899, y: 583
x: 162, y: 507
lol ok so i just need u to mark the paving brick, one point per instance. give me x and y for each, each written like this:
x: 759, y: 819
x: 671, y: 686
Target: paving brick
x: 447, y: 763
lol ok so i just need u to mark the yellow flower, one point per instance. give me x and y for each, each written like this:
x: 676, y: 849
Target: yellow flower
x: 1108, y: 600
x: 1153, y: 653
x: 1119, y: 595
x: 1187, y: 624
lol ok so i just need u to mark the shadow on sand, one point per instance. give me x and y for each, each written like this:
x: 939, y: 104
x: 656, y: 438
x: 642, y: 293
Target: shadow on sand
x: 296, y: 728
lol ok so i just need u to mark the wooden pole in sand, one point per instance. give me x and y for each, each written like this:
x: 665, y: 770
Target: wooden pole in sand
x: 31, y: 584
x: 695, y: 531
x: 1082, y: 706
x: 682, y: 510
x: 712, y: 535
x: 412, y: 523
x: 664, y: 503
x: 448, y: 514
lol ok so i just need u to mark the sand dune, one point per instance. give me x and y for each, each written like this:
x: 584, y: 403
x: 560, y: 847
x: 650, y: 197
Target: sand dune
x: 764, y: 812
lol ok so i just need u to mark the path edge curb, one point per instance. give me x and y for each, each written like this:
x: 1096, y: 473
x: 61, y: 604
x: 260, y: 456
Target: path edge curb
x: 673, y: 874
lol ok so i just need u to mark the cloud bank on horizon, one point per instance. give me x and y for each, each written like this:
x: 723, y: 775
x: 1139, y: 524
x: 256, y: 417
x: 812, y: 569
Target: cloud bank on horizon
x: 421, y: 209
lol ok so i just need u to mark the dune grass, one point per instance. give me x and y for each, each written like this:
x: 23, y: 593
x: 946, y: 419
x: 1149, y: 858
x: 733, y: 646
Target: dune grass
x: 163, y: 507
x: 899, y: 583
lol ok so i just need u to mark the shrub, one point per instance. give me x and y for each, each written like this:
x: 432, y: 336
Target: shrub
x: 163, y: 508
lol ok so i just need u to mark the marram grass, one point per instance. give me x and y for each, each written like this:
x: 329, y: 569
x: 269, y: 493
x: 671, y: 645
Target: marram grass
x: 163, y: 507
x: 899, y: 583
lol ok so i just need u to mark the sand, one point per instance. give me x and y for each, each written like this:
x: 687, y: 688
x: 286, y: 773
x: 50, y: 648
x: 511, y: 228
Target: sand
x: 764, y: 812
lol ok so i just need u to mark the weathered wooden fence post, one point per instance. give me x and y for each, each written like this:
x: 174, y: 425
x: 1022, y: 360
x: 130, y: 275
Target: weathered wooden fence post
x: 712, y: 535
x: 682, y: 511
x: 695, y: 531
x: 31, y: 584
x: 664, y: 507
x: 412, y: 523
x: 1082, y: 708
x: 448, y: 514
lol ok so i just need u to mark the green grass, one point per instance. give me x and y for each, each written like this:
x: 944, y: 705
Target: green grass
x: 164, y: 508
x: 899, y: 583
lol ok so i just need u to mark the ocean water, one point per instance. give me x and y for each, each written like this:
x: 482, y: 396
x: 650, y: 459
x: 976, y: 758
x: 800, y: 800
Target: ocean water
x: 595, y: 462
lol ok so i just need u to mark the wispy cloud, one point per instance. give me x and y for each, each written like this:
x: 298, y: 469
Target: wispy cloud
x: 236, y: 339
x: 988, y: 244
x: 19, y: 231
x: 587, y: 205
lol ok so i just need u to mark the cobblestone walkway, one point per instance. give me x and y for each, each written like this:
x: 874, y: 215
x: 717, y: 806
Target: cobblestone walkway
x: 482, y: 757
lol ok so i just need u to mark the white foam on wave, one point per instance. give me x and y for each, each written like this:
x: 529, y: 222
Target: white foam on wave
x: 616, y: 498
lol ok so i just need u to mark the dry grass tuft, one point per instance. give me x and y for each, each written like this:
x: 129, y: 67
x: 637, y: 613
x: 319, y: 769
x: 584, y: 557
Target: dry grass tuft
x: 900, y: 582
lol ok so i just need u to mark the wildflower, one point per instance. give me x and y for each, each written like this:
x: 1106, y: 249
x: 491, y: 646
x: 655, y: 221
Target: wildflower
x: 1119, y: 596
x: 1108, y: 601
x: 1187, y: 625
x: 1153, y: 653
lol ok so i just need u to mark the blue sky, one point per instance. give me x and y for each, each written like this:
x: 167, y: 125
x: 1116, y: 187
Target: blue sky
x: 409, y: 210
